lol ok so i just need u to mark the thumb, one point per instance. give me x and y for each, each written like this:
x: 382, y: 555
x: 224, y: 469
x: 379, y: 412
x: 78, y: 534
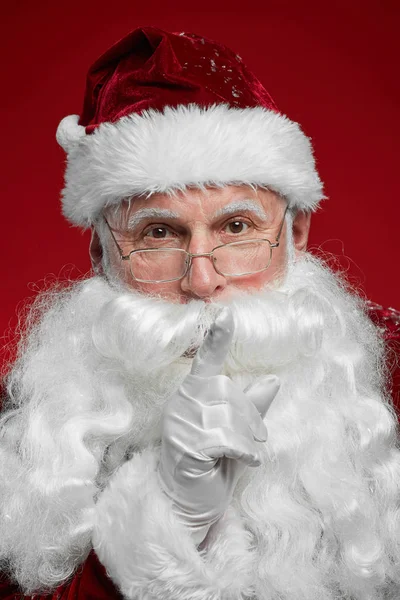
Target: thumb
x: 262, y: 393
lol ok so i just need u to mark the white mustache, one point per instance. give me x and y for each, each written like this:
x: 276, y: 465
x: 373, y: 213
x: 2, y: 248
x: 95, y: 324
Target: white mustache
x: 272, y: 328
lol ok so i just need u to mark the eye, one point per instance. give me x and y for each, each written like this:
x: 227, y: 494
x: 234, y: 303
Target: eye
x: 236, y: 227
x: 158, y: 233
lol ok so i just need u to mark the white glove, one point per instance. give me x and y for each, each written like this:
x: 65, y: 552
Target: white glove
x: 211, y: 432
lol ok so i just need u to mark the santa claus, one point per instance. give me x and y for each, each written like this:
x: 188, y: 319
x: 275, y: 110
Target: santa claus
x: 208, y: 417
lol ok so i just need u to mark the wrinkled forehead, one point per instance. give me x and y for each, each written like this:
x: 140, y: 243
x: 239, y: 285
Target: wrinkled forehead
x: 205, y: 204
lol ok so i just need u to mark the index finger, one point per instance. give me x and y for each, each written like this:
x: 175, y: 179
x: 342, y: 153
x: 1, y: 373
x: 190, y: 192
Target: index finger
x: 212, y: 353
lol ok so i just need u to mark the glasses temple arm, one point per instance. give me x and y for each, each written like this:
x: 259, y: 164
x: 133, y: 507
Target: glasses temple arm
x: 281, y: 226
x: 116, y: 243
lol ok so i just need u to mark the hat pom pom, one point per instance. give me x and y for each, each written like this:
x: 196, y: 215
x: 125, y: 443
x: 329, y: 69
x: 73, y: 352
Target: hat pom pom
x: 69, y: 132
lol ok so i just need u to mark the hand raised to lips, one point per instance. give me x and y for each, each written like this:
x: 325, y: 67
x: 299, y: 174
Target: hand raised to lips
x: 211, y: 431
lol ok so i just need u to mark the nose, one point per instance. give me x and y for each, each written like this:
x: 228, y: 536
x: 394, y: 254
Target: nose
x: 202, y: 280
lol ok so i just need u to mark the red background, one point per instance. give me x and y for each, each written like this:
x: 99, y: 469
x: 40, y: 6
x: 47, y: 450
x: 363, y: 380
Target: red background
x: 332, y: 67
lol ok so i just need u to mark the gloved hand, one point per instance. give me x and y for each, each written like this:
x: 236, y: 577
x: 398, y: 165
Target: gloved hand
x: 211, y: 432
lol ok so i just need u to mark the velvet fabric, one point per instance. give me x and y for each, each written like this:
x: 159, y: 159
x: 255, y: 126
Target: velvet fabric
x: 151, y: 69
x: 388, y: 321
x: 91, y: 581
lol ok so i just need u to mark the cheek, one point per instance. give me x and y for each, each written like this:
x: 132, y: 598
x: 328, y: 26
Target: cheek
x: 121, y: 269
x: 255, y: 282
x: 275, y: 272
x: 168, y: 291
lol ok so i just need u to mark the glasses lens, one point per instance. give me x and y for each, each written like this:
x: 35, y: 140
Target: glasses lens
x: 243, y: 258
x: 158, y: 265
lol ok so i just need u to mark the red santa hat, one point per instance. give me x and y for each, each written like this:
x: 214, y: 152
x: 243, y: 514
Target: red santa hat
x: 167, y: 111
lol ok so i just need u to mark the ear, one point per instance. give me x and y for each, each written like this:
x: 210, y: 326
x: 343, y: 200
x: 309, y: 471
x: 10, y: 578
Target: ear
x: 301, y: 228
x: 96, y: 253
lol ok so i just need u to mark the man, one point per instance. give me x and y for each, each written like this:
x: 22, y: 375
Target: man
x: 208, y: 417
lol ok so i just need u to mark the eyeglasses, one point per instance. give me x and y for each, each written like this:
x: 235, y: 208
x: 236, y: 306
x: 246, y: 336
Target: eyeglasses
x: 236, y: 259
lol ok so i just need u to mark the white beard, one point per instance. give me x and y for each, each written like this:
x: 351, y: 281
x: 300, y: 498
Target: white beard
x: 89, y: 388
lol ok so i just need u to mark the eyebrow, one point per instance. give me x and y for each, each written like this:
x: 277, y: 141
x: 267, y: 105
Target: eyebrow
x: 150, y: 213
x: 240, y: 205
x: 164, y: 213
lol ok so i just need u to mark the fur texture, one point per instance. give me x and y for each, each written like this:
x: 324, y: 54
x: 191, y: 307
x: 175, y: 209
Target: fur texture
x: 182, y: 147
x: 149, y: 554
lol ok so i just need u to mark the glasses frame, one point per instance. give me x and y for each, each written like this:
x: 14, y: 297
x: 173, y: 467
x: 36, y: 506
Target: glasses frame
x: 190, y: 256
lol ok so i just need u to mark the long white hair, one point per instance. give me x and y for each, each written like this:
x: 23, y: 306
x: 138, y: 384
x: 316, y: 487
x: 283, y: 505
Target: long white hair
x: 88, y: 388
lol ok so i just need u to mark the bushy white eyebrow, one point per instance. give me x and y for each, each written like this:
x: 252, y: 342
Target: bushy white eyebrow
x: 150, y: 213
x: 240, y: 205
x: 165, y: 213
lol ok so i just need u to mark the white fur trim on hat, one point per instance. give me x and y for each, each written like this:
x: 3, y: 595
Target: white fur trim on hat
x: 187, y: 146
x: 148, y: 553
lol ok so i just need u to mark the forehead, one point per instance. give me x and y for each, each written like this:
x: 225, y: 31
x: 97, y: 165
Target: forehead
x: 205, y: 203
